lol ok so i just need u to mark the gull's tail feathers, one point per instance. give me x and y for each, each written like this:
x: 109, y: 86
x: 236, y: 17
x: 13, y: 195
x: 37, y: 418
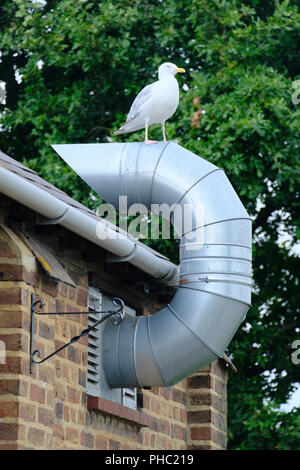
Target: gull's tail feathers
x: 132, y: 125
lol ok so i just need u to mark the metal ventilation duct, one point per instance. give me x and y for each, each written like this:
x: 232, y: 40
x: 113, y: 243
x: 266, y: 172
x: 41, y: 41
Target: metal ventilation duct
x: 215, y: 290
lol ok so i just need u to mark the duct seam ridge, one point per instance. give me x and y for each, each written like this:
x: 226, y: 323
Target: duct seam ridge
x: 134, y: 349
x: 212, y: 223
x: 154, y: 355
x: 118, y: 352
x: 193, y: 333
x: 217, y: 257
x: 198, y: 181
x: 234, y: 273
x: 231, y: 281
x: 216, y: 244
x: 216, y: 293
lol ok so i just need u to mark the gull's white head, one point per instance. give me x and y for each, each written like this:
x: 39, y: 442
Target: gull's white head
x: 168, y: 69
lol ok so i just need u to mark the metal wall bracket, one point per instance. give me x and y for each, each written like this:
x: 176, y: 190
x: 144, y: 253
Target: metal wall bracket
x: 119, y: 311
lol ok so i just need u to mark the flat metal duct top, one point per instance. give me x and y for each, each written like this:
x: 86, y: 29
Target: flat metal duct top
x: 215, y: 259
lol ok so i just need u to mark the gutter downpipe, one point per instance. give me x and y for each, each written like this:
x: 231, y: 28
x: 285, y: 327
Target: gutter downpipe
x: 215, y: 273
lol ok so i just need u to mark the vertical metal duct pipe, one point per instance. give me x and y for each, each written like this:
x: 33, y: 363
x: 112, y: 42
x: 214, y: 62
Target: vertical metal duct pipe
x: 215, y: 260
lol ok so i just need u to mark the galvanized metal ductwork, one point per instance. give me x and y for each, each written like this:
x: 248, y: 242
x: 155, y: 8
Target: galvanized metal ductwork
x: 215, y: 272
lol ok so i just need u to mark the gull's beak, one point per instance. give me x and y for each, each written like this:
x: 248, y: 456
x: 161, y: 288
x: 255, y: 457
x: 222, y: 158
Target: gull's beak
x: 180, y: 71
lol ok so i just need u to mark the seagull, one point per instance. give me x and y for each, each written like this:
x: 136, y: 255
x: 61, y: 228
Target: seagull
x: 155, y: 103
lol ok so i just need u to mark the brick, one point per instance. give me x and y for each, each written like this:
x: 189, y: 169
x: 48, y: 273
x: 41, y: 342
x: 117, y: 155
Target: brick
x: 10, y: 447
x: 15, y: 342
x: 201, y: 416
x: 219, y: 421
x: 89, y: 440
x: 49, y: 286
x: 13, y: 319
x: 23, y: 388
x: 36, y: 437
x: 37, y: 394
x: 14, y: 296
x: 81, y: 418
x: 73, y: 395
x: 61, y: 391
x: 46, y: 374
x: 58, y: 344
x: 12, y: 272
x: 199, y: 381
x: 45, y: 417
x: 59, y: 410
x: 72, y: 293
x: 63, y: 290
x: 219, y: 438
x: 73, y: 354
x: 28, y: 412
x: 100, y: 443
x: 114, y: 445
x: 164, y: 426
x: 166, y: 393
x: 66, y: 413
x: 220, y: 387
x: 9, y: 409
x: 14, y: 365
x: 199, y: 399
x: 60, y: 306
x: 6, y: 251
x: 82, y: 378
x: 72, y: 435
x: 201, y: 433
x: 8, y: 431
x: 58, y: 431
x: 179, y: 396
x: 9, y: 387
x: 46, y: 331
x: 32, y: 279
x: 81, y: 298
x: 219, y: 368
x: 219, y: 403
x: 73, y: 415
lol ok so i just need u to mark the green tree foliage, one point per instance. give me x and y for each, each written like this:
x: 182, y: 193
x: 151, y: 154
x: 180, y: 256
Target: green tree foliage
x: 80, y: 64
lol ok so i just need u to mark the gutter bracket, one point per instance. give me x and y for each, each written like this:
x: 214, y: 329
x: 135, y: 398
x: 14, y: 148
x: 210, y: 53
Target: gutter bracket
x: 119, y: 311
x: 41, y: 220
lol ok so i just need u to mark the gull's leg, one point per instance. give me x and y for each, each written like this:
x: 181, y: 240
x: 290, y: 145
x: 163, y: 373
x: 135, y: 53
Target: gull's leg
x: 147, y: 141
x: 164, y: 131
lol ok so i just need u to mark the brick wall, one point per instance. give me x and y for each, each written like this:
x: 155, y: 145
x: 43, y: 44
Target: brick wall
x: 207, y: 408
x: 49, y: 409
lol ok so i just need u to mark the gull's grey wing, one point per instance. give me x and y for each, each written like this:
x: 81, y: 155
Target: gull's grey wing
x: 141, y: 98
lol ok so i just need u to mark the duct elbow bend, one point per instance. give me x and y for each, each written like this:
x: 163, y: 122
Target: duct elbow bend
x: 214, y: 292
x: 215, y: 260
